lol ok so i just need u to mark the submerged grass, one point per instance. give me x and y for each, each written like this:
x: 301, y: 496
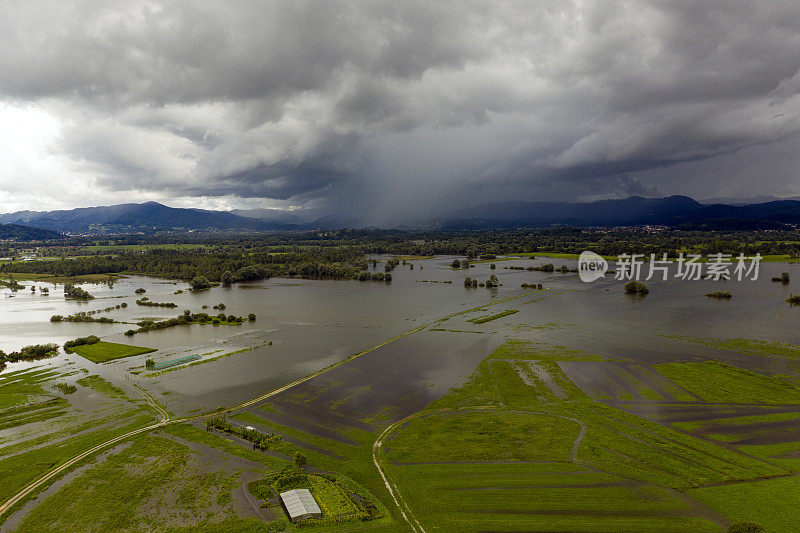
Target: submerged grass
x: 121, y: 493
x: 102, y: 386
x: 489, y: 318
x: 523, y: 349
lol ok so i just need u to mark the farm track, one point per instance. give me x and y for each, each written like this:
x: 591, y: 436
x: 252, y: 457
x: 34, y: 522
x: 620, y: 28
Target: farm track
x: 29, y: 489
x: 403, y: 507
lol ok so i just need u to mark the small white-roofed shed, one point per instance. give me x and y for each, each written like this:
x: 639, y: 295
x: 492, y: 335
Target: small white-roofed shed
x: 299, y: 504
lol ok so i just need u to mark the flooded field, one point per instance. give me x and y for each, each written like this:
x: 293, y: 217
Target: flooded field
x: 305, y: 325
x: 417, y: 342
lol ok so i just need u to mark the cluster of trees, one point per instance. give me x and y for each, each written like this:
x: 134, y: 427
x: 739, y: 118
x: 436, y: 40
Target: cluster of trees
x: 147, y: 303
x: 75, y: 292
x: 259, y: 440
x: 547, y: 267
x: 200, y: 283
x: 29, y: 353
x: 375, y: 276
x: 342, y: 254
x: 82, y: 316
x: 80, y: 341
x: 185, y: 319
x: 636, y: 287
x: 720, y: 295
x: 473, y: 282
x: 537, y: 286
x: 390, y: 264
x: 464, y: 263
x: 12, y: 284
x: 783, y: 278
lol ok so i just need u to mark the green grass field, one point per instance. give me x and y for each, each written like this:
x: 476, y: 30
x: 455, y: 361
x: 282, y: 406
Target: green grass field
x: 484, y: 436
x: 717, y: 382
x: 539, y: 497
x: 49, y: 278
x: 122, y: 492
x: 748, y: 346
x: 102, y: 351
x: 508, y: 473
x: 771, y: 503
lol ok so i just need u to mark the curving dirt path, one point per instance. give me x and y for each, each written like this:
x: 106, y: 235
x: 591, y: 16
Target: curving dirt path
x: 403, y: 507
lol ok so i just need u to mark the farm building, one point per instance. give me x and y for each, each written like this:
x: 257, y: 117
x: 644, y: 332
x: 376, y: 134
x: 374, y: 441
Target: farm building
x: 299, y: 504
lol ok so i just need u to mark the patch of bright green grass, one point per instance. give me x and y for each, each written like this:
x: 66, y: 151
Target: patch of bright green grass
x: 695, y: 425
x: 716, y: 382
x: 102, y: 351
x: 784, y: 453
x: 772, y: 503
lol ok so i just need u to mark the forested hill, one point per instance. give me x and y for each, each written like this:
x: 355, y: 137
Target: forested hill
x: 17, y: 232
x: 150, y: 217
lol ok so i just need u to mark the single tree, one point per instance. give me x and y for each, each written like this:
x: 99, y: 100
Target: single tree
x: 300, y: 460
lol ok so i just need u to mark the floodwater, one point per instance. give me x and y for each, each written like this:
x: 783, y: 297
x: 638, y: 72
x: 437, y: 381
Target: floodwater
x: 312, y: 324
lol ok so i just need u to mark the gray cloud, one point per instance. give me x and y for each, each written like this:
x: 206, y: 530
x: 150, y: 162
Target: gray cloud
x: 401, y: 109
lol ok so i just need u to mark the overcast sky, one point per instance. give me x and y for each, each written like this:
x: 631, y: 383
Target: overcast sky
x: 395, y: 109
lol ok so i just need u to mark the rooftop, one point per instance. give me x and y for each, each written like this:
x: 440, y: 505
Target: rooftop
x: 299, y: 503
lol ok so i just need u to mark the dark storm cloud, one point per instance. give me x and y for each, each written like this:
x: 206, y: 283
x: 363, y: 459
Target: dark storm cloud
x: 405, y: 101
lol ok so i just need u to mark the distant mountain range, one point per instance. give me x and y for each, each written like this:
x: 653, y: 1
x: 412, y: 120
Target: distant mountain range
x: 633, y: 211
x: 152, y: 217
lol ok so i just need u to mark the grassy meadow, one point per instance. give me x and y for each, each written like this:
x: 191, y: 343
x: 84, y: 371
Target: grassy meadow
x: 103, y: 351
